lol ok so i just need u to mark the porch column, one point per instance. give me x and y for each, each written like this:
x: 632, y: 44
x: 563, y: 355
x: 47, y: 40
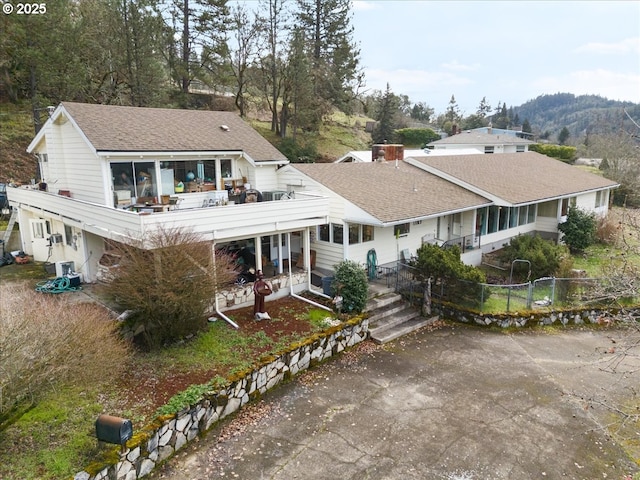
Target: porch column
x: 306, y: 244
x: 257, y: 241
x: 280, y: 260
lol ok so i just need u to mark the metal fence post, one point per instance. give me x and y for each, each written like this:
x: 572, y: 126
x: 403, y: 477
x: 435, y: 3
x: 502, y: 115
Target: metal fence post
x: 530, y: 296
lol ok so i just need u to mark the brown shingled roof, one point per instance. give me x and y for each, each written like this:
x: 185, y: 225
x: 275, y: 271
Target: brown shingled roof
x: 517, y: 177
x: 387, y: 193
x: 137, y: 129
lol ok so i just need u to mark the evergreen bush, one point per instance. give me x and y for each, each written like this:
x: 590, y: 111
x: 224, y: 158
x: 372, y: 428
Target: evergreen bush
x: 350, y: 282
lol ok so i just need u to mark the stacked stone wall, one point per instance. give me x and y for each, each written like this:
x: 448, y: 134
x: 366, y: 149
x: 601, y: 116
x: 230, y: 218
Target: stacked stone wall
x: 169, y: 434
x: 572, y: 316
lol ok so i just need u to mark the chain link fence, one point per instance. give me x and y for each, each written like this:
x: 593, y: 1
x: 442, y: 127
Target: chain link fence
x: 496, y: 298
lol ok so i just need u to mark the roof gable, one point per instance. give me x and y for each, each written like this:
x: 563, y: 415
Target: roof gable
x: 111, y: 128
x: 515, y: 177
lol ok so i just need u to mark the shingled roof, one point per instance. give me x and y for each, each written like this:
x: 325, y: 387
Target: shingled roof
x: 391, y: 194
x: 516, y: 177
x: 136, y: 129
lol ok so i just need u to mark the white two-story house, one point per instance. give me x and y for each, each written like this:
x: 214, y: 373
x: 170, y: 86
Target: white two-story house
x: 113, y: 173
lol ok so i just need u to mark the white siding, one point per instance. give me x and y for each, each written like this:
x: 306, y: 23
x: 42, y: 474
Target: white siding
x: 72, y: 164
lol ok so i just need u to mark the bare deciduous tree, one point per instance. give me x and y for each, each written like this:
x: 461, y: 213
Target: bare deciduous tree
x: 168, y: 281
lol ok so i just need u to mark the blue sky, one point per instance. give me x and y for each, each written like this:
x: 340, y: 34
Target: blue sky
x: 506, y: 51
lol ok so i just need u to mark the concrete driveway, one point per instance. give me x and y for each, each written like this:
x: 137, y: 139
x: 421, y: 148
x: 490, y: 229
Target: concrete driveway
x: 456, y: 403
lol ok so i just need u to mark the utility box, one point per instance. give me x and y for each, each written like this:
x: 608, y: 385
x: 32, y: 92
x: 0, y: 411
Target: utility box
x: 64, y: 268
x: 112, y: 429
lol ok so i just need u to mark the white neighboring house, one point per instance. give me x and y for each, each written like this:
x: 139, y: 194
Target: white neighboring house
x: 185, y: 169
x: 394, y: 207
x: 482, y: 142
x: 364, y: 156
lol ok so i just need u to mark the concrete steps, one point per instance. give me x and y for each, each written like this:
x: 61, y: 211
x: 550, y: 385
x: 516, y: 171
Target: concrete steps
x: 391, y: 317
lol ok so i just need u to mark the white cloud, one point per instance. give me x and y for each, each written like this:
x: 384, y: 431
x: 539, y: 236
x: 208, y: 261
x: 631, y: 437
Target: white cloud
x: 403, y: 81
x: 460, y: 67
x: 629, y: 45
x: 362, y: 5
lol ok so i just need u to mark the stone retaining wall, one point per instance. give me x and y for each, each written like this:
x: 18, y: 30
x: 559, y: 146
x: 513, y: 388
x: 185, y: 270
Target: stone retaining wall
x: 573, y: 316
x: 158, y: 442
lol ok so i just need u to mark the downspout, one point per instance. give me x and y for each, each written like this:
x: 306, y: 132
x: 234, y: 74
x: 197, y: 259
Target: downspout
x: 215, y: 280
x: 293, y: 294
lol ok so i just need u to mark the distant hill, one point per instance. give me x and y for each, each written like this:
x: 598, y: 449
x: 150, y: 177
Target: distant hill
x: 581, y: 114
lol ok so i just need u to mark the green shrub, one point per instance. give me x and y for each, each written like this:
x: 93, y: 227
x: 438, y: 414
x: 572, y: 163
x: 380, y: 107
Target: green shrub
x: 579, y: 229
x: 297, y: 152
x: 560, y: 152
x: 416, y: 137
x: 444, y: 266
x: 350, y: 282
x: 544, y: 255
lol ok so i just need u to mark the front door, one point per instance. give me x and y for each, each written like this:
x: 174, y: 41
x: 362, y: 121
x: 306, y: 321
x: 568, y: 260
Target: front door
x: 40, y: 242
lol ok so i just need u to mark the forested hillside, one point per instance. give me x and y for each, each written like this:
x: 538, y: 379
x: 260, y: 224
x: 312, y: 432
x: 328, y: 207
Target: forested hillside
x: 580, y: 115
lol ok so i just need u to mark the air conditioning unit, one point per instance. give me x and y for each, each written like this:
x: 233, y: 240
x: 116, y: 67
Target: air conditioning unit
x: 64, y: 269
x: 56, y: 239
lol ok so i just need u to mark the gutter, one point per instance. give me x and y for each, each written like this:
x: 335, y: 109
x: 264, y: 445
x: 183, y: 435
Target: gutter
x: 293, y: 294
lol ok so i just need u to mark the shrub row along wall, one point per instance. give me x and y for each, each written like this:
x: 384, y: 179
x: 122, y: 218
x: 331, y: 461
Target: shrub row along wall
x: 170, y: 433
x: 573, y: 316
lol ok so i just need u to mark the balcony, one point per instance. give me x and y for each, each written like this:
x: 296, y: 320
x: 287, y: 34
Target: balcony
x: 215, y: 222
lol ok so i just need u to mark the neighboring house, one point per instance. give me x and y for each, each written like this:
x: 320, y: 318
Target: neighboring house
x: 483, y: 142
x: 364, y: 156
x: 394, y: 207
x: 113, y: 173
x: 504, y: 131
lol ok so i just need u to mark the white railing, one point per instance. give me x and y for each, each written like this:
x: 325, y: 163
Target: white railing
x: 214, y: 223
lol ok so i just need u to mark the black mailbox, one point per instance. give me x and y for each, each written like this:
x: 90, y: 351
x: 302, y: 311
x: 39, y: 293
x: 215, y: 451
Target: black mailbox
x: 113, y: 429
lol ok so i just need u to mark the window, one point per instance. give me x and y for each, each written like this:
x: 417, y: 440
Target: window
x: 489, y: 149
x: 548, y: 209
x: 565, y: 206
x: 531, y: 214
x: 492, y: 224
x: 481, y: 221
x: 354, y: 233
x: 513, y: 217
x: 403, y: 229
x: 601, y: 198
x: 68, y: 235
x: 519, y: 148
x: 338, y: 233
x: 522, y: 215
x: 504, y: 218
x: 323, y: 233
x: 367, y: 233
